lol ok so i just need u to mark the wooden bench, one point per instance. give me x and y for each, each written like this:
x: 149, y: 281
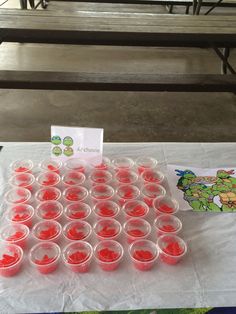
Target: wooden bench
x: 119, y: 29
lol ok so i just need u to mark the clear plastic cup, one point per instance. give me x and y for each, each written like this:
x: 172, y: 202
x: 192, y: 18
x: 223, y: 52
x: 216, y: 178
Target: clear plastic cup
x: 49, y: 178
x: 126, y: 177
x: 48, y: 194
x: 75, y: 194
x: 15, y: 234
x: 172, y: 248
x: 72, y: 178
x: 143, y: 254
x: 122, y: 163
x: 47, y: 230
x: 51, y: 164
x: 144, y: 163
x: 107, y: 228
x: 22, y: 166
x: 76, y: 164
x: 151, y: 191
x: 104, y: 165
x: 127, y: 193
x: 101, y: 192
x: 17, y: 196
x: 167, y: 224
x: 108, y: 254
x: 152, y: 176
x: 136, y: 229
x: 23, y: 180
x: 165, y: 205
x: 45, y: 257
x: 49, y: 210
x: 77, y: 230
x: 21, y: 214
x: 106, y: 209
x: 77, y: 256
x: 100, y: 177
x: 135, y: 209
x: 11, y: 258
x: 77, y: 210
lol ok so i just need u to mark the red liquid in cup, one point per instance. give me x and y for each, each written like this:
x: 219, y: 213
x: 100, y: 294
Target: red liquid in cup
x: 77, y: 262
x: 143, y: 259
x: 166, y: 209
x: 48, y: 234
x: 173, y: 249
x: 74, y: 234
x: 9, y: 260
x: 47, y: 263
x: 107, y: 232
x: 109, y: 257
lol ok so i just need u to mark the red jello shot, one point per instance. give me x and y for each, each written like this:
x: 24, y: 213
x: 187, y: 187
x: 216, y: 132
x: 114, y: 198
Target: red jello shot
x: 50, y: 164
x: 172, y: 248
x: 77, y: 230
x: 47, y: 230
x: 76, y: 164
x: 77, y: 256
x: 126, y: 177
x: 72, y: 178
x: 144, y: 163
x: 101, y: 192
x: 75, y: 194
x: 23, y: 180
x: 127, y: 193
x: 11, y: 258
x: 135, y: 209
x: 165, y: 205
x: 167, y: 224
x: 100, y: 177
x: 17, y: 196
x: 48, y: 178
x: 106, y: 209
x: 22, y: 166
x: 143, y: 254
x: 108, y: 254
x: 45, y: 257
x: 77, y: 211
x: 136, y: 229
x: 48, y: 194
x: 151, y: 191
x: 107, y: 228
x: 152, y: 176
x: 104, y: 165
x: 21, y: 214
x: 122, y: 163
x: 15, y: 234
x: 49, y: 210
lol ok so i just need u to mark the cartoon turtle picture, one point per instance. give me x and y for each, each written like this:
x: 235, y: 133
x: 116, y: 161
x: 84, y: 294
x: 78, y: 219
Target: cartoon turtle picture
x: 56, y: 140
x: 68, y: 151
x: 68, y: 141
x: 57, y: 151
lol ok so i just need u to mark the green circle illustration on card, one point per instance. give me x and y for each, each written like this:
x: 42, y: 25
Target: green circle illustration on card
x: 68, y: 151
x: 57, y: 151
x: 68, y: 141
x: 56, y: 140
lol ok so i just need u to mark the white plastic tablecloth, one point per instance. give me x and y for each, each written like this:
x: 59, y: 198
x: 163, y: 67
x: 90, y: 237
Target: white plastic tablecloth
x: 205, y: 278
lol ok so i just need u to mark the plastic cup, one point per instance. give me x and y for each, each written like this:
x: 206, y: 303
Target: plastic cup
x: 45, y: 257
x: 48, y: 194
x: 106, y: 209
x: 49, y: 178
x: 127, y: 193
x: 11, y: 258
x: 77, y: 210
x: 76, y: 164
x: 101, y: 192
x: 107, y: 228
x: 50, y: 164
x: 104, y: 165
x: 135, y: 209
x: 21, y: 214
x: 172, y: 248
x: 108, y: 254
x: 136, y: 229
x: 167, y: 224
x: 152, y: 176
x: 122, y: 163
x: 77, y: 230
x: 22, y: 166
x: 49, y: 210
x: 72, y: 178
x: 17, y: 196
x: 100, y: 177
x: 143, y: 254
x: 15, y: 234
x: 77, y: 256
x: 23, y: 180
x: 151, y: 191
x: 47, y: 230
x: 165, y: 205
x: 144, y: 163
x: 75, y: 194
x: 126, y: 177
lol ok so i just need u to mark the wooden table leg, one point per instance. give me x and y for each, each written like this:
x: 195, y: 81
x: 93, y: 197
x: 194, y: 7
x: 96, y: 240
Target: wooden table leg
x: 198, y: 8
x: 23, y: 4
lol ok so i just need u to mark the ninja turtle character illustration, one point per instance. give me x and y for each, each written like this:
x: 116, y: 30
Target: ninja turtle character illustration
x: 56, y: 140
x: 68, y: 151
x: 68, y: 141
x: 57, y: 151
x: 186, y: 179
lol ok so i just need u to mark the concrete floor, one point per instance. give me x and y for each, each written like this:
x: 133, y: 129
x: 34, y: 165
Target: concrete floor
x: 27, y: 115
